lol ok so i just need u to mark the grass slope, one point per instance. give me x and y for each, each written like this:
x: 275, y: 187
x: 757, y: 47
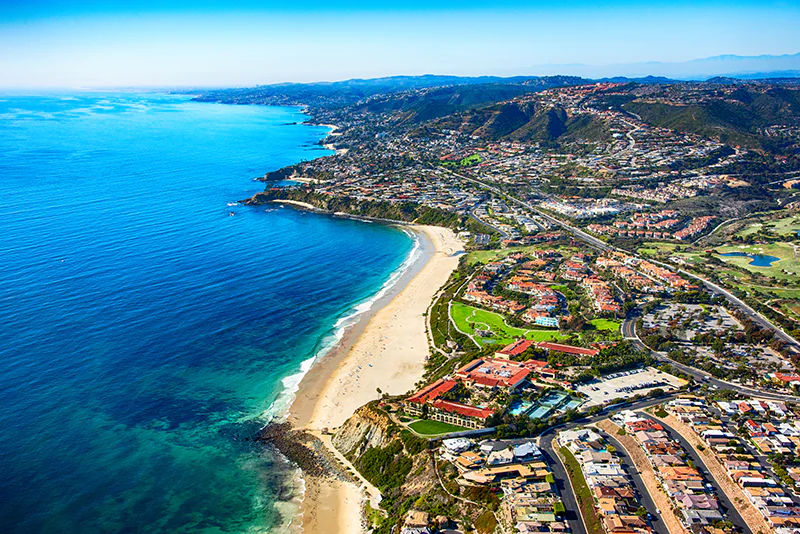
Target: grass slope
x: 582, y: 493
x: 434, y: 428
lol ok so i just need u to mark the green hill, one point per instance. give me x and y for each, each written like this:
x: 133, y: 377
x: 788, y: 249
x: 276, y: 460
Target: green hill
x: 525, y: 121
x: 738, y: 118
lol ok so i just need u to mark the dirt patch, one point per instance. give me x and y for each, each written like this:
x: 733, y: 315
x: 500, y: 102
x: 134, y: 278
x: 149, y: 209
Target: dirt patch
x: 648, y: 475
x: 749, y: 513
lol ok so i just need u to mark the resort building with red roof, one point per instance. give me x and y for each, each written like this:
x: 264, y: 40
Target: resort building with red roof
x: 494, y: 373
x: 566, y: 349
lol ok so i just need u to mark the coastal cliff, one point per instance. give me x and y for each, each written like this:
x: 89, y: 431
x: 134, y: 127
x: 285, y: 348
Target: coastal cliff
x: 408, y: 212
x: 366, y: 428
x: 401, y: 465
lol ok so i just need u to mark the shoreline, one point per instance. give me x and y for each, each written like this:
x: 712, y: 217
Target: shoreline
x: 385, y: 348
x: 330, y: 146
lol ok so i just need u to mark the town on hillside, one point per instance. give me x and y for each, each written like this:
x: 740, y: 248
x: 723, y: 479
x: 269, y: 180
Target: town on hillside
x: 617, y: 351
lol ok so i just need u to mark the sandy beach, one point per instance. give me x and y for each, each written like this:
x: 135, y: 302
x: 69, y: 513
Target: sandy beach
x: 334, y: 132
x: 385, y: 351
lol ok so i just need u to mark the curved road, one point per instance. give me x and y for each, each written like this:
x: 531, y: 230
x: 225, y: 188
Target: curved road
x: 546, y: 444
x: 629, y: 332
x: 602, y: 245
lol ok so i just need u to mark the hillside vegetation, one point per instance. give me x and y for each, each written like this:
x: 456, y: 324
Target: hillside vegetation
x: 524, y: 121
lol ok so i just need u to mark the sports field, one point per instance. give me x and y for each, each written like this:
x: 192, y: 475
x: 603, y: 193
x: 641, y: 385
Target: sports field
x: 468, y: 319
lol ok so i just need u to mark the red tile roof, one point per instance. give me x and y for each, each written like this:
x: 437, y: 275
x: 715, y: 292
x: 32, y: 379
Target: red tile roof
x: 462, y: 409
x: 567, y: 349
x: 493, y: 372
x: 516, y: 348
x: 432, y: 391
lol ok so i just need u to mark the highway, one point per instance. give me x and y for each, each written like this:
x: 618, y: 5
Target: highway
x: 629, y: 332
x: 603, y: 246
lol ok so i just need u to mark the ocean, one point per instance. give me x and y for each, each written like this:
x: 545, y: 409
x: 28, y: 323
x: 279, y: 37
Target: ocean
x: 149, y: 324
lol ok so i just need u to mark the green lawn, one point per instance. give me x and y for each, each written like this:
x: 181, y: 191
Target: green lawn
x: 654, y: 247
x: 467, y: 318
x: 582, y: 492
x: 433, y: 428
x: 787, y: 226
x: 465, y: 162
x: 606, y: 324
x: 784, y: 251
x: 486, y: 256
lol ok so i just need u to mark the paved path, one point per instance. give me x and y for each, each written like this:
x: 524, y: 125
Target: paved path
x: 372, y: 492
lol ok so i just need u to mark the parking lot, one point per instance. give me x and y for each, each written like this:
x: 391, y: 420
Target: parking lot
x: 626, y: 384
x: 691, y: 319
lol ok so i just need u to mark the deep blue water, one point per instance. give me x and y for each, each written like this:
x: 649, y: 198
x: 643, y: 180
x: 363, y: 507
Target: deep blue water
x: 144, y: 332
x: 758, y: 260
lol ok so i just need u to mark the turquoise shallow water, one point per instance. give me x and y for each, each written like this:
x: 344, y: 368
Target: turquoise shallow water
x: 144, y: 332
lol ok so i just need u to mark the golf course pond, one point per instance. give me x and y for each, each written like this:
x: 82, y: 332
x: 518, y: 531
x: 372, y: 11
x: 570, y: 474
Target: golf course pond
x: 757, y: 260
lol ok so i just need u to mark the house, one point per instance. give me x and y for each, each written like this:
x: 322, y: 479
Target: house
x: 701, y: 517
x: 416, y: 519
x: 505, y: 456
x: 457, y: 445
x: 698, y: 502
x: 468, y: 460
x: 526, y: 450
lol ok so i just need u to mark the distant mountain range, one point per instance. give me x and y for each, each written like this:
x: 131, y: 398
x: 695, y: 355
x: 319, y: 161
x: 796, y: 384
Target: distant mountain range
x: 744, y: 67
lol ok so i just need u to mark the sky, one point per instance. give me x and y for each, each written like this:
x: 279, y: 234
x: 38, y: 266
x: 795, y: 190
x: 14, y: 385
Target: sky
x: 198, y: 43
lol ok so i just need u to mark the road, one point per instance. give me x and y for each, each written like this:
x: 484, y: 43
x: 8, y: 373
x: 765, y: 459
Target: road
x: 644, y: 496
x: 474, y: 217
x: 597, y: 243
x: 725, y: 504
x: 602, y: 245
x: 629, y: 332
x: 759, y: 456
x: 546, y: 444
